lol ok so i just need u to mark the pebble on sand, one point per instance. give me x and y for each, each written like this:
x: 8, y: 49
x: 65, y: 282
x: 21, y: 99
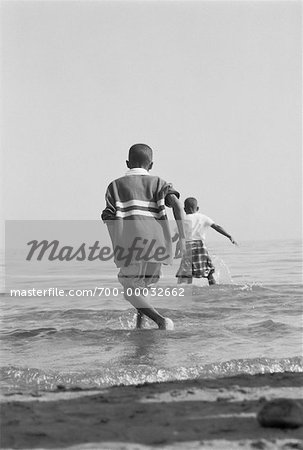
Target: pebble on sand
x: 281, y: 413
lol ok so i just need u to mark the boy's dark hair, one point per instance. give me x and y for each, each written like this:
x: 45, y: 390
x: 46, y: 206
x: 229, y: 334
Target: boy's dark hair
x: 190, y: 204
x: 140, y: 155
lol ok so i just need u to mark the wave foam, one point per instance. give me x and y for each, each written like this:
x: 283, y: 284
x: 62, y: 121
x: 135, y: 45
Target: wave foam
x: 26, y: 379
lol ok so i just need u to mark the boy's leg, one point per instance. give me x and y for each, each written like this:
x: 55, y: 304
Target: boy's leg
x: 187, y: 280
x: 144, y: 308
x: 185, y: 271
x: 140, y: 320
x: 133, y: 277
x: 211, y: 279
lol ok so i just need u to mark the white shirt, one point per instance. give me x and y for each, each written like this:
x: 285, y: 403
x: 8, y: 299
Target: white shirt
x: 195, y: 226
x: 137, y: 171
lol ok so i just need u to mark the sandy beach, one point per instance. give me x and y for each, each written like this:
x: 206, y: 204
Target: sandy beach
x: 192, y: 414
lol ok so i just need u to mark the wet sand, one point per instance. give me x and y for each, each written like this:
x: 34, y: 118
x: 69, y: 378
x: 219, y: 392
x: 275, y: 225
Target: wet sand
x: 192, y: 414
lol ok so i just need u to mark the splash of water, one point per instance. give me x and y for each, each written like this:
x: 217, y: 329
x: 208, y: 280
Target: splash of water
x: 222, y: 274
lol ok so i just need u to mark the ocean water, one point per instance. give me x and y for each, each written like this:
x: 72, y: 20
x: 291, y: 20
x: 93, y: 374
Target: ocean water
x: 250, y: 322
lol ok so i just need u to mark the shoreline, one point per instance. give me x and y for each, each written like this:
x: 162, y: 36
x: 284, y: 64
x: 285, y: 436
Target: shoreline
x: 201, y: 413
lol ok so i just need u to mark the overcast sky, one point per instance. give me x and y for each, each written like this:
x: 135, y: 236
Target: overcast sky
x: 213, y: 87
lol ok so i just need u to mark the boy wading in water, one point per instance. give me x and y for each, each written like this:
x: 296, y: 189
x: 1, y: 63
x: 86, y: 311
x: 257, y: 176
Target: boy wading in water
x: 138, y: 226
x: 196, y: 262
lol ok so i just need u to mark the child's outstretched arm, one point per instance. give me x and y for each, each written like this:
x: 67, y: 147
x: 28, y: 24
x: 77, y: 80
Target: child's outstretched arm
x: 222, y: 231
x: 176, y: 205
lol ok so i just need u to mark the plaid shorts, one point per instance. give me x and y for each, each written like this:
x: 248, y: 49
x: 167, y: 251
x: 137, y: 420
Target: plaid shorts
x: 196, y: 263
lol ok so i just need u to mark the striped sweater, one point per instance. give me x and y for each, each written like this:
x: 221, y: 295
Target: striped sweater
x: 135, y: 211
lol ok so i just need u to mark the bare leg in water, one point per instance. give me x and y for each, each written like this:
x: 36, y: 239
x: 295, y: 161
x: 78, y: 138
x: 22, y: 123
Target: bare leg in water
x: 140, y: 320
x: 143, y: 307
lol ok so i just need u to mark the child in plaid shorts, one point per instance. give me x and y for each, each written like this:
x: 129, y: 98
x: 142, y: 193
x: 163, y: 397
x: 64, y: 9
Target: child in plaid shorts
x: 196, y: 263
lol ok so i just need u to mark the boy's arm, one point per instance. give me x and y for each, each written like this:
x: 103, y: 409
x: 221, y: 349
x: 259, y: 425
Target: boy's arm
x: 222, y: 231
x: 176, y: 205
x: 177, y: 250
x: 109, y: 212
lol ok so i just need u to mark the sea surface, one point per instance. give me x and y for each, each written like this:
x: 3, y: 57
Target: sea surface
x: 250, y: 322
